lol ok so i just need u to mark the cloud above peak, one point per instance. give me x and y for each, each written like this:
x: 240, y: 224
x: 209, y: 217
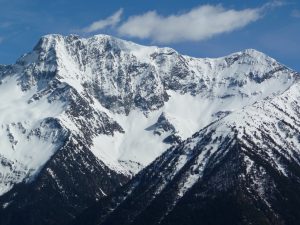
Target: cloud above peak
x: 110, y: 21
x: 195, y: 25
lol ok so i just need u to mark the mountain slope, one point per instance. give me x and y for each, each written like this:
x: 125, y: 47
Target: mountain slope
x: 80, y: 116
x: 129, y: 83
x: 49, y: 155
x: 241, y: 169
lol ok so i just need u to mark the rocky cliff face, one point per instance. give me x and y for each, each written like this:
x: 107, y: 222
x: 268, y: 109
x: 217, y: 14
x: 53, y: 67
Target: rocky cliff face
x: 79, y: 117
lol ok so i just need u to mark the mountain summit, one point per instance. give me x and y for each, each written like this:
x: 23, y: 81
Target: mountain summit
x: 81, y: 116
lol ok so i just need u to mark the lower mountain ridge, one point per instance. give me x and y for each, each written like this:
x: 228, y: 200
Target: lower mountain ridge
x: 241, y: 169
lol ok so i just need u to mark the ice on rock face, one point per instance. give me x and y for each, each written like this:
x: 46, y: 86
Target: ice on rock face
x: 107, y: 92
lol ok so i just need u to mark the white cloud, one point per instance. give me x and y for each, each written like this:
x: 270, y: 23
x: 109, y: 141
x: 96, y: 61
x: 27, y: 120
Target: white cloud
x: 195, y: 25
x: 274, y: 4
x: 295, y: 13
x: 110, y: 21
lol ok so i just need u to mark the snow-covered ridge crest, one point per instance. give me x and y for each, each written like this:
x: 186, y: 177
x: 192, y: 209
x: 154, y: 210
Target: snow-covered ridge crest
x: 123, y: 76
x: 106, y: 92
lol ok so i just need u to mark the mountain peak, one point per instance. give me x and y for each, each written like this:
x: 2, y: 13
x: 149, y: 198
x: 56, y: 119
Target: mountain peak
x: 252, y: 51
x: 99, y: 109
x: 252, y: 54
x: 146, y: 72
x: 103, y: 42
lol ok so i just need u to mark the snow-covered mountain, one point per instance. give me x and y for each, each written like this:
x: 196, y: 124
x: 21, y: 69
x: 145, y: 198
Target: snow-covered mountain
x: 79, y: 117
x: 241, y: 169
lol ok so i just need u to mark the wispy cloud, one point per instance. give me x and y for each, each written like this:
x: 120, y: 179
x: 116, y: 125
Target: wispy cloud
x: 110, y: 21
x: 274, y: 4
x: 5, y: 24
x: 195, y: 25
x: 199, y: 23
x: 295, y: 13
x: 1, y: 39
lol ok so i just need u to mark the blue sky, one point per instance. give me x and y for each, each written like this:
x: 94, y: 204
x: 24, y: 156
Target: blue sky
x: 196, y: 28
